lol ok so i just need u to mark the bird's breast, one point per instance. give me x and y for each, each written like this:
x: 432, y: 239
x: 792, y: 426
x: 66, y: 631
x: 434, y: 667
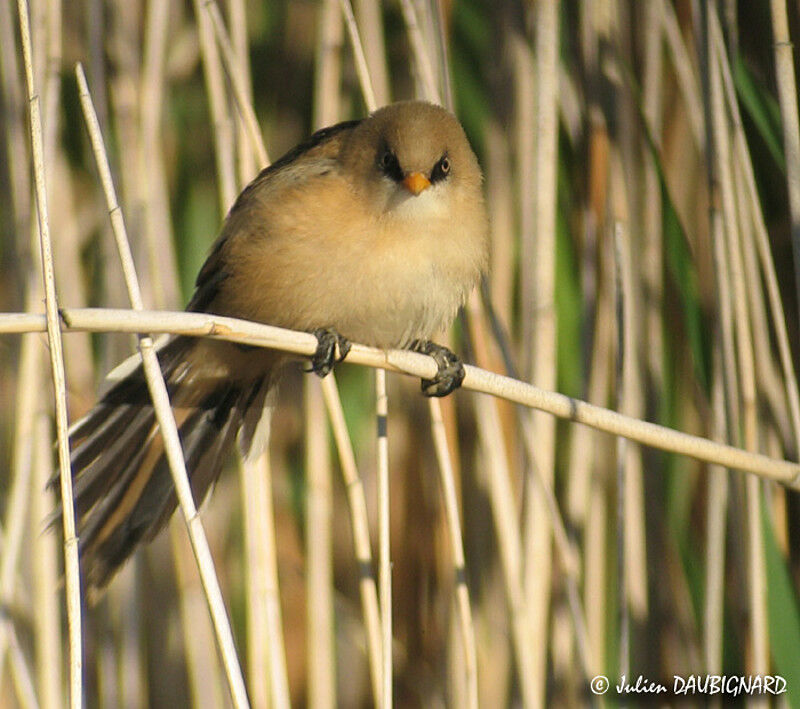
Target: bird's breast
x: 329, y: 260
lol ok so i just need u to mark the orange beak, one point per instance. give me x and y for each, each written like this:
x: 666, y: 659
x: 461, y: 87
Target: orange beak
x: 416, y: 182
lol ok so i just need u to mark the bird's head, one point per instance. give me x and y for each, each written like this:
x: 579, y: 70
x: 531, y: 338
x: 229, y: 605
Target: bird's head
x: 413, y: 157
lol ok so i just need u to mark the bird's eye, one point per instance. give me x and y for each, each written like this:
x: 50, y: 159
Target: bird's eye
x: 389, y: 164
x: 441, y: 169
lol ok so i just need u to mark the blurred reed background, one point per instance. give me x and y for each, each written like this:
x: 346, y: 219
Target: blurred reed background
x: 642, y: 168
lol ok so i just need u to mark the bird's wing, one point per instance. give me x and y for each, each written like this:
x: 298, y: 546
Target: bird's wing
x: 293, y: 166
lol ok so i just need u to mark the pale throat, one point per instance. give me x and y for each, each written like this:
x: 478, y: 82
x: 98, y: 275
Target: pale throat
x: 431, y: 203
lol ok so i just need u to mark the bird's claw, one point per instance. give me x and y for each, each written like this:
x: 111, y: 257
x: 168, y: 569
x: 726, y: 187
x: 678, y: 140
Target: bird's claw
x: 451, y: 369
x: 332, y: 348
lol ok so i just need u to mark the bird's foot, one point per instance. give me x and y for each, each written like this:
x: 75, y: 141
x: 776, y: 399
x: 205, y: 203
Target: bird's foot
x: 451, y: 370
x: 332, y: 348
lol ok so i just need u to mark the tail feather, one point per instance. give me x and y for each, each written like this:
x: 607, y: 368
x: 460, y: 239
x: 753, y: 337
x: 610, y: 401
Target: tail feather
x: 123, y: 487
x: 90, y: 436
x: 205, y: 443
x: 119, y: 445
x: 100, y: 507
x: 145, y: 500
x: 107, y: 427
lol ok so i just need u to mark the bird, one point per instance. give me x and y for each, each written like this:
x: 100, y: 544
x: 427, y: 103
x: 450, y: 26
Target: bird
x: 373, y: 231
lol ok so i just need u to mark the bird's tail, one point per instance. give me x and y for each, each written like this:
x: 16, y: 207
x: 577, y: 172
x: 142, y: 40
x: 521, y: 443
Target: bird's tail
x: 122, y: 486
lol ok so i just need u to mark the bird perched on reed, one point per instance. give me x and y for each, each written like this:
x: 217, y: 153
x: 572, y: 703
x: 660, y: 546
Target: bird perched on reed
x: 373, y: 230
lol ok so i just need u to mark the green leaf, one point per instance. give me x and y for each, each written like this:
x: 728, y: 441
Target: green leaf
x: 681, y: 268
x: 782, y: 610
x: 763, y: 110
x: 680, y: 263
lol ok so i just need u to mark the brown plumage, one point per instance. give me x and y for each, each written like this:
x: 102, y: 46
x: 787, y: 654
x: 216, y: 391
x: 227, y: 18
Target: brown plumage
x: 375, y: 229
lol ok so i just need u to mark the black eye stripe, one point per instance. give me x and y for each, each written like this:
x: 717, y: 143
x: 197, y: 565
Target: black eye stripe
x: 389, y: 165
x: 441, y: 169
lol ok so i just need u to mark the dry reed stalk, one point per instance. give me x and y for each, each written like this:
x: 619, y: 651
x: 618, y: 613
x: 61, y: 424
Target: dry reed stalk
x: 742, y: 159
x: 255, y: 562
x: 504, y: 515
x: 596, y: 353
x: 384, y: 556
x: 462, y: 602
x: 440, y: 21
x: 157, y: 233
x: 201, y: 664
x: 19, y: 177
x: 567, y: 554
x: 49, y: 66
x: 28, y: 486
x: 111, y: 54
x: 595, y: 595
x: 72, y: 575
x: 166, y: 420
x: 265, y: 644
x: 321, y: 646
x: 121, y: 42
x: 500, y: 203
x: 44, y: 552
x: 758, y: 662
x: 438, y: 430
x: 726, y: 325
x: 497, y: 479
x: 467, y: 630
x: 370, y: 19
x: 716, y: 506
x: 417, y: 366
x: 537, y: 542
x: 724, y: 335
x: 685, y: 72
x: 199, y: 543
x: 631, y: 397
x: 622, y: 526
x: 422, y: 60
x: 587, y: 491
x: 27, y: 447
x: 790, y: 121
x: 29, y: 385
x: 757, y: 658
x: 60, y: 187
x: 220, y: 113
x: 579, y: 474
x: 360, y: 525
x: 524, y: 145
x: 199, y: 648
x: 729, y: 409
x: 237, y: 13
x: 21, y: 674
x: 152, y: 188
x: 328, y: 65
x: 494, y: 624
x: 652, y: 265
x: 96, y: 35
x: 364, y: 78
x: 123, y: 606
x: 261, y: 521
x: 770, y: 383
x: 383, y: 689
x: 238, y: 78
x: 67, y: 259
x: 266, y: 650
x: 320, y: 638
